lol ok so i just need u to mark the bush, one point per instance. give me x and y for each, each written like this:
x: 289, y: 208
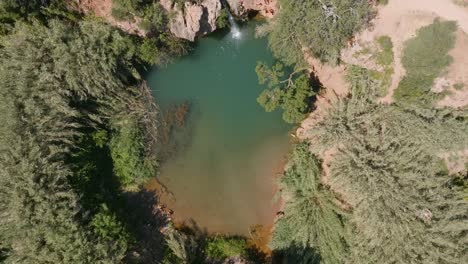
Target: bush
x: 121, y: 15
x: 107, y: 226
x: 128, y: 153
x: 220, y: 248
x: 148, y: 50
x: 223, y: 19
x: 424, y: 58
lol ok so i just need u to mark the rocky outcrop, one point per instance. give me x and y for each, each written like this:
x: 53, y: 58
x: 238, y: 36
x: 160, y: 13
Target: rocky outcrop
x: 194, y: 19
x: 266, y: 8
x: 103, y: 9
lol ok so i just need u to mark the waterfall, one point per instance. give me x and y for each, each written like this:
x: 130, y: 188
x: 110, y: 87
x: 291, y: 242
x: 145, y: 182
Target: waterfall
x: 235, y: 30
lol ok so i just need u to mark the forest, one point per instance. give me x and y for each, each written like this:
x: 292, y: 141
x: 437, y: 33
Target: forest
x: 79, y: 130
x: 80, y: 136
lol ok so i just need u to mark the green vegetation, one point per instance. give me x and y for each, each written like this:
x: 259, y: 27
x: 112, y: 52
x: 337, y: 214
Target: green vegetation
x: 322, y: 32
x: 182, y: 248
x: 293, y: 94
x: 385, y: 59
x: 404, y: 207
x: 46, y: 136
x: 220, y: 248
x: 150, y: 11
x: 192, y: 246
x: 320, y: 27
x: 158, y: 47
x: 79, y: 137
x: 312, y: 217
x: 458, y: 86
x: 66, y: 86
x: 424, y: 58
x: 127, y: 148
x: 381, y: 79
x: 385, y: 56
x: 462, y: 3
x: 382, y: 2
x: 223, y: 19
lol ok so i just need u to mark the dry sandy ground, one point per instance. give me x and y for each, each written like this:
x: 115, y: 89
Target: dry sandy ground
x: 335, y: 85
x: 456, y: 160
x: 457, y: 74
x: 400, y: 20
x: 103, y: 9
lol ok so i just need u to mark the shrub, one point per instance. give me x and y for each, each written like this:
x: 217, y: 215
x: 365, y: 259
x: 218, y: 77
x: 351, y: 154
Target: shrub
x: 128, y: 153
x: 424, y: 58
x: 220, y: 248
x: 223, y: 19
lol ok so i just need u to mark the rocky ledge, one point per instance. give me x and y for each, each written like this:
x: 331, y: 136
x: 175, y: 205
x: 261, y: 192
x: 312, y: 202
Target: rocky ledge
x: 266, y: 8
x: 198, y: 18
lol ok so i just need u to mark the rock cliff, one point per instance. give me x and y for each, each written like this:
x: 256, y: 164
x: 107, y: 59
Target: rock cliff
x: 194, y: 19
x: 266, y: 8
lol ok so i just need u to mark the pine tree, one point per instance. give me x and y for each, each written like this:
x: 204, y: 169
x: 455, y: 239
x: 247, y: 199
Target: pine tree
x: 312, y: 221
x: 406, y: 208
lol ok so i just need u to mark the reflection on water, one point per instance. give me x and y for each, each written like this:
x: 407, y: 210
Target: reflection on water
x: 223, y: 152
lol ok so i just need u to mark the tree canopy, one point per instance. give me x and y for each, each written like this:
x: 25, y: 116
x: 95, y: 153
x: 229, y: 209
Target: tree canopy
x: 320, y: 27
x: 406, y: 208
x: 59, y: 82
x: 292, y: 94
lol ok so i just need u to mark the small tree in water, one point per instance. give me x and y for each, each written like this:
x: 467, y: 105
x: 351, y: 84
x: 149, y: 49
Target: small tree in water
x: 292, y: 94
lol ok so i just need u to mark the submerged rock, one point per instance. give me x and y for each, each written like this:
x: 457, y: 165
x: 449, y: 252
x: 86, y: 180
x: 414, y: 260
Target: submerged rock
x: 194, y: 19
x: 266, y: 8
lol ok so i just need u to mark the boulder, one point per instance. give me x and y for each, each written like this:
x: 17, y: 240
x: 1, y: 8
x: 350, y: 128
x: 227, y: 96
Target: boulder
x: 266, y: 8
x: 194, y: 19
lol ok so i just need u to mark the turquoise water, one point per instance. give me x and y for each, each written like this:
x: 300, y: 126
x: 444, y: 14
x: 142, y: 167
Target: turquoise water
x: 229, y: 151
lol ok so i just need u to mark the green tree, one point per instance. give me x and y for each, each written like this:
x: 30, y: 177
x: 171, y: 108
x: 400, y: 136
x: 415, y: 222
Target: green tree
x: 312, y: 218
x: 59, y: 82
x: 406, y: 209
x: 293, y: 94
x: 320, y: 27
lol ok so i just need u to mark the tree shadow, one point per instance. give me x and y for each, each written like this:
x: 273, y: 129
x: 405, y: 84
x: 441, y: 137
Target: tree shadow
x: 317, y: 87
x: 296, y: 254
x: 145, y: 222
